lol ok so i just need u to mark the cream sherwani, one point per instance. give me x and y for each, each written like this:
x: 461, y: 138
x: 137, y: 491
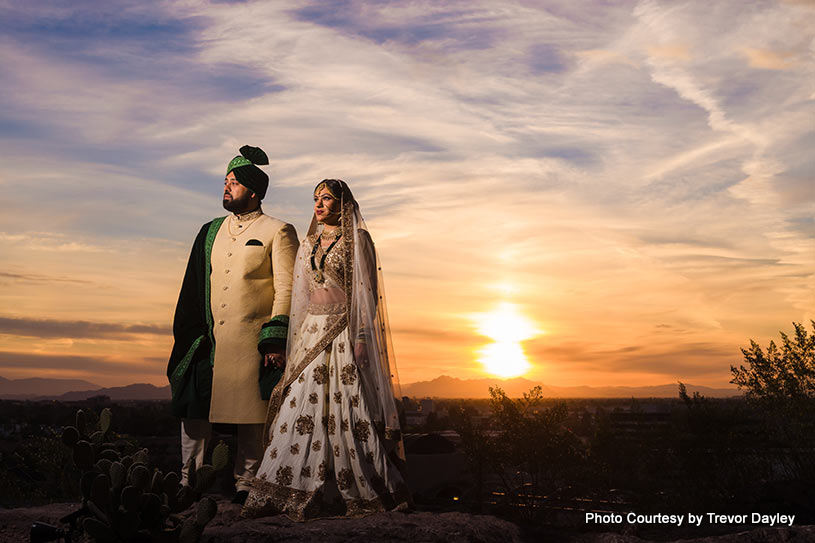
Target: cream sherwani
x: 252, y: 260
x: 252, y: 264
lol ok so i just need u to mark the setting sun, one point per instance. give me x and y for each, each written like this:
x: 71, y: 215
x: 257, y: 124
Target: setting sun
x: 508, y: 328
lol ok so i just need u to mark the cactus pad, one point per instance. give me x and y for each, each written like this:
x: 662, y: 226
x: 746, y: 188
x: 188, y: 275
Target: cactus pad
x: 139, y: 476
x: 127, y: 524
x: 81, y: 422
x: 70, y: 436
x: 220, y: 456
x: 100, y: 492
x: 205, y: 511
x: 157, y: 484
x: 118, y: 475
x: 86, y: 483
x: 105, y: 418
x: 103, y: 465
x: 190, y: 531
x: 140, y: 456
x: 151, y: 510
x: 204, y: 478
x: 131, y: 498
x: 171, y: 482
x: 184, y: 498
x: 83, y: 454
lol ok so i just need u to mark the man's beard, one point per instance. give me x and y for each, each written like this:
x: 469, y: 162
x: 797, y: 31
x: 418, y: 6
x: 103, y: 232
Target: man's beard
x: 237, y: 205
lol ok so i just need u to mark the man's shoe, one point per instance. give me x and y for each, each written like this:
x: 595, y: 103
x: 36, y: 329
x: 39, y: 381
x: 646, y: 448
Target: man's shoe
x: 240, y: 497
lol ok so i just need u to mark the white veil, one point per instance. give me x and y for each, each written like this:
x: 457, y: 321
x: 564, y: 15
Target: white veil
x: 365, y: 314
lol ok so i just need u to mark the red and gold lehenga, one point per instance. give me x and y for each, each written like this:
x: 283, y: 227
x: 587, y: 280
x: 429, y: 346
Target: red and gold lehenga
x: 332, y: 419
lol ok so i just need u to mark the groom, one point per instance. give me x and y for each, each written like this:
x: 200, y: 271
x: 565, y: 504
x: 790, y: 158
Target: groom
x: 231, y: 321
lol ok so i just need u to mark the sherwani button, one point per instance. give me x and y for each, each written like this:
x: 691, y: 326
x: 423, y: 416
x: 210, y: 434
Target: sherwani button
x: 220, y: 322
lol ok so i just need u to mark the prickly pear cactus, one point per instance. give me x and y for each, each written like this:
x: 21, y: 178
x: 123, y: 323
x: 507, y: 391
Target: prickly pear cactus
x: 126, y: 500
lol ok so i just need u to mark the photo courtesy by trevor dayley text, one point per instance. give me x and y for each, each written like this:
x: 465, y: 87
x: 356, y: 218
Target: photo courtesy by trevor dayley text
x: 690, y: 519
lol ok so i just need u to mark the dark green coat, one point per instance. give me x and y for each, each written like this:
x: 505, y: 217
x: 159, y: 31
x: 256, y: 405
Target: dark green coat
x: 190, y: 366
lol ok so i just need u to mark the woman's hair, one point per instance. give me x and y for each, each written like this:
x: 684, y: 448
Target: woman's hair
x: 337, y: 187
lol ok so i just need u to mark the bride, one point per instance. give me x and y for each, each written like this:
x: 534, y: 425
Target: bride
x: 332, y: 427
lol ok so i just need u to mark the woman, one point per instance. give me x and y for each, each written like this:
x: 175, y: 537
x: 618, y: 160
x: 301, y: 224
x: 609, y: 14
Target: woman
x: 332, y: 428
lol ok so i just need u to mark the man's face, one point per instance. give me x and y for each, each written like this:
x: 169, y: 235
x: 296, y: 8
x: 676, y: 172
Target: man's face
x: 237, y: 198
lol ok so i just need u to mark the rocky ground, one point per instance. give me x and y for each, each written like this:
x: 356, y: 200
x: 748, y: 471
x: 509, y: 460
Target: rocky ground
x: 420, y: 527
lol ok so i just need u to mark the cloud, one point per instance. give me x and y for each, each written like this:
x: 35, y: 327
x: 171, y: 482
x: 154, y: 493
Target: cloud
x: 88, y: 365
x: 39, y: 278
x: 681, y: 361
x: 768, y: 60
x: 49, y: 328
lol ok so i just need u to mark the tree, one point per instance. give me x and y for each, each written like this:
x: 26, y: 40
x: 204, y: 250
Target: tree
x: 782, y: 378
x: 538, y: 453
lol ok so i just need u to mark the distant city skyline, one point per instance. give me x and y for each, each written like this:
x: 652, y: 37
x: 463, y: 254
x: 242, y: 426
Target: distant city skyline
x: 601, y: 194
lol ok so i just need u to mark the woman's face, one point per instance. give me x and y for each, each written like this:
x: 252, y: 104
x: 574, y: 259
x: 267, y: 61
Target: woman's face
x: 326, y: 207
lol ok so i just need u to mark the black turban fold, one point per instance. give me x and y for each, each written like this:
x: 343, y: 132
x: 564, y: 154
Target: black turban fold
x: 246, y: 171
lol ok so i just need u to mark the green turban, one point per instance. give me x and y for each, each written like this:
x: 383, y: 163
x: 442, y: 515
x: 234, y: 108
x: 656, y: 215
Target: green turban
x: 246, y: 171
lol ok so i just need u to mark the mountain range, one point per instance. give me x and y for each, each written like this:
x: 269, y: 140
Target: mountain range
x: 440, y: 387
x: 71, y: 390
x: 38, y: 386
x: 451, y: 387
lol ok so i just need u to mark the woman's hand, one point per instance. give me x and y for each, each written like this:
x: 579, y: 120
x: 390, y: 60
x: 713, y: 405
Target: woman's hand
x: 361, y: 354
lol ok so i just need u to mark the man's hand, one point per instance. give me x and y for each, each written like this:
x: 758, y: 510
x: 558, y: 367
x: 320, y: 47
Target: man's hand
x: 276, y: 360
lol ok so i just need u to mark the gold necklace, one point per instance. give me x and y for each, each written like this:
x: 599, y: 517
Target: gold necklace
x: 327, y: 233
x: 249, y: 219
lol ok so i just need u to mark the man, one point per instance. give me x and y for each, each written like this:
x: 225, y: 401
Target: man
x: 231, y: 321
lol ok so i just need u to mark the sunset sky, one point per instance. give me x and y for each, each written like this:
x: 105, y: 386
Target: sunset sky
x: 601, y: 193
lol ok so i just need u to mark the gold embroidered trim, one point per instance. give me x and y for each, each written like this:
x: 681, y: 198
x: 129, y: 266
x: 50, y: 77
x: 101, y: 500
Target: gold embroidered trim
x: 246, y: 219
x: 399, y: 500
x: 266, y: 498
x: 243, y: 217
x: 326, y: 309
